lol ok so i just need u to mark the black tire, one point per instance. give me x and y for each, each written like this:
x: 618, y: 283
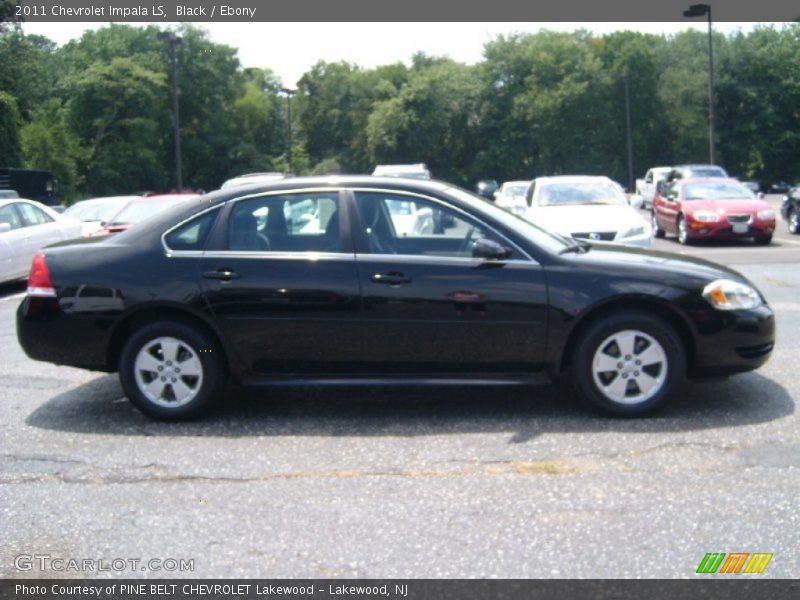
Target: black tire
x: 657, y: 231
x: 649, y: 334
x: 764, y: 240
x: 792, y: 221
x: 683, y: 232
x: 194, y: 350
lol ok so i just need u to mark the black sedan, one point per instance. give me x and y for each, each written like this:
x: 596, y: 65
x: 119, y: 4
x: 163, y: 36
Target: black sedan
x: 366, y: 280
x: 790, y: 210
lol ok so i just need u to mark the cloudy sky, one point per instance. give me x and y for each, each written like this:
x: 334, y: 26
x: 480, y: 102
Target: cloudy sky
x: 290, y: 49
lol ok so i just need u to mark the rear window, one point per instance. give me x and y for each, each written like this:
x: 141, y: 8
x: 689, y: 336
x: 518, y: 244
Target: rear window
x: 193, y: 234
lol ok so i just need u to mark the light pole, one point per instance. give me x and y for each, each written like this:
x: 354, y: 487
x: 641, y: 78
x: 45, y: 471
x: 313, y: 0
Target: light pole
x: 289, y: 93
x: 700, y: 10
x: 626, y: 83
x: 173, y: 40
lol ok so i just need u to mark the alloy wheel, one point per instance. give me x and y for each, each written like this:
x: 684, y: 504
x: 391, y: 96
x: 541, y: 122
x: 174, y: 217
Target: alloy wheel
x: 168, y: 372
x: 683, y: 231
x: 629, y: 367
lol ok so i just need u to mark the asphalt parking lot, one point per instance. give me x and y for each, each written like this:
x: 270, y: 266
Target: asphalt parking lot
x: 455, y: 483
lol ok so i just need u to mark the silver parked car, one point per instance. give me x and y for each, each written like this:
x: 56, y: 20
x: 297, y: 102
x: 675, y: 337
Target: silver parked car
x: 25, y: 228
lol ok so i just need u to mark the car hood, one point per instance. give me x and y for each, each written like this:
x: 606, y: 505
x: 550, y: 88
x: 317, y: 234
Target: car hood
x: 585, y: 217
x: 614, y: 258
x: 727, y: 206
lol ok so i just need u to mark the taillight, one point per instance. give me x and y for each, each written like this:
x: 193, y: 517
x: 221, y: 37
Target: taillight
x: 40, y: 284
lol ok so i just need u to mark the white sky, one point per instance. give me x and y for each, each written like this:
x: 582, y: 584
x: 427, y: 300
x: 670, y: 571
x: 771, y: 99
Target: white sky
x: 290, y: 49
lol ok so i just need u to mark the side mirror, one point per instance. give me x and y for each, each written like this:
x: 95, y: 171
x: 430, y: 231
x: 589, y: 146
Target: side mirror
x: 636, y: 201
x: 760, y: 195
x: 5, y: 227
x: 489, y: 250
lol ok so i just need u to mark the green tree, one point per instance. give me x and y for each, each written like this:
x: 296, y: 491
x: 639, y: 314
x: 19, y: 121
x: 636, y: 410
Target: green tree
x: 111, y: 109
x: 10, y: 154
x: 49, y: 143
x: 432, y: 119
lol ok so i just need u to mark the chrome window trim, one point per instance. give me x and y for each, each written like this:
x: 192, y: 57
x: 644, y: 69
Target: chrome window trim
x: 308, y: 256
x: 169, y: 252
x: 434, y: 259
x: 451, y: 207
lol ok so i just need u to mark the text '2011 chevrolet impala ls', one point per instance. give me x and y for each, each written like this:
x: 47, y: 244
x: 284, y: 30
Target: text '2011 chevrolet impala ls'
x: 365, y: 280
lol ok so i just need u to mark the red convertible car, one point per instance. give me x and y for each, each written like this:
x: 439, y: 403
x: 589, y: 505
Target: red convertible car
x: 712, y: 208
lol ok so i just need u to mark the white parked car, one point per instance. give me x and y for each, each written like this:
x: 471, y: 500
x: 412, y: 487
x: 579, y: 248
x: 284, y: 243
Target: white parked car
x: 586, y: 207
x: 93, y: 214
x: 415, y: 171
x: 511, y: 196
x: 25, y: 228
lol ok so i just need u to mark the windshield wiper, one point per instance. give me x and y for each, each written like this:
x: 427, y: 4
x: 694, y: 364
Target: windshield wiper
x: 579, y: 247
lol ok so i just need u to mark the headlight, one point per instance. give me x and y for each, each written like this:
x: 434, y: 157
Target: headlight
x: 724, y: 294
x: 705, y: 216
x: 637, y: 231
x: 766, y: 214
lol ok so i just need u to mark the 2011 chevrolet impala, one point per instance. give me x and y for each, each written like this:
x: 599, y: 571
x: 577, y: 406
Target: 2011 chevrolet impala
x: 365, y: 280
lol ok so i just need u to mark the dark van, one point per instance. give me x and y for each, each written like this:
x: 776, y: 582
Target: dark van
x: 31, y: 184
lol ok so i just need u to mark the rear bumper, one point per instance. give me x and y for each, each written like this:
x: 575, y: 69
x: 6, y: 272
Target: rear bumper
x: 733, y: 342
x: 47, y: 334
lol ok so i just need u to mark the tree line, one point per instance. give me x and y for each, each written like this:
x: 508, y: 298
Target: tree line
x: 97, y: 111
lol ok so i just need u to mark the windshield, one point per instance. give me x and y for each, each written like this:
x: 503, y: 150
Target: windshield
x: 584, y: 192
x: 716, y: 191
x: 515, y: 191
x: 547, y: 240
x: 94, y: 211
x: 139, y: 211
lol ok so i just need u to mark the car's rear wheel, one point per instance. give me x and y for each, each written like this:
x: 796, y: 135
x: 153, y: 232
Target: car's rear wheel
x: 792, y: 221
x: 172, y: 371
x: 683, y: 231
x: 657, y: 231
x: 628, y: 363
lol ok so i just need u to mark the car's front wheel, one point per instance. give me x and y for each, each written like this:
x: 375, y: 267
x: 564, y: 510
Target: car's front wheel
x: 172, y: 371
x: 628, y: 363
x: 683, y: 231
x: 764, y: 240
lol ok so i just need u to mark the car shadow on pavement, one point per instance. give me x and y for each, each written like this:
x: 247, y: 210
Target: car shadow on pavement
x: 525, y: 412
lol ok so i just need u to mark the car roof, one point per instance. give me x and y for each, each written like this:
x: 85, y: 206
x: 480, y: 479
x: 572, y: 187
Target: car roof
x: 708, y: 180
x: 297, y: 183
x: 698, y: 166
x: 573, y: 179
x: 158, y: 197
x: 4, y: 201
x: 107, y: 199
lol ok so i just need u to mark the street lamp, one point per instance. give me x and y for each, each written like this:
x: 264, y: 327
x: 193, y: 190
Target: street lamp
x: 289, y: 93
x: 626, y: 83
x: 173, y: 40
x: 700, y: 10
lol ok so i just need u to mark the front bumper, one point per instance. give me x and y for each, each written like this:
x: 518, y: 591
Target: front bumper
x: 728, y: 231
x: 729, y: 342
